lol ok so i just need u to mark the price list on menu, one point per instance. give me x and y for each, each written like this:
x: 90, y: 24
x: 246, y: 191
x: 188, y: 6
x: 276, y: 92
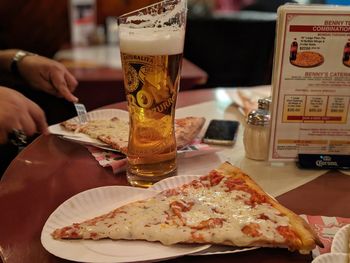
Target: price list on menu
x: 311, y: 82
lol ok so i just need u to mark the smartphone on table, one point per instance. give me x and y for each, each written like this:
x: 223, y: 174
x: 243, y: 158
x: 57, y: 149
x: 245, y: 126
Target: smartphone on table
x: 222, y: 132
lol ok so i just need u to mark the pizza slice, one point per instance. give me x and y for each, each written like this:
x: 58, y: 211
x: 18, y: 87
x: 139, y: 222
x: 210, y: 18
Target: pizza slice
x: 186, y: 130
x: 223, y: 207
x: 115, y: 132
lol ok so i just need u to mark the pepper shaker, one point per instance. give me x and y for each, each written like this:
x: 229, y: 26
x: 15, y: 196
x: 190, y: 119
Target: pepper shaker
x: 256, y: 132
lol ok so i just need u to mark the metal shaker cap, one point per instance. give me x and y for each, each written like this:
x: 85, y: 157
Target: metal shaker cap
x: 259, y: 117
x: 264, y: 103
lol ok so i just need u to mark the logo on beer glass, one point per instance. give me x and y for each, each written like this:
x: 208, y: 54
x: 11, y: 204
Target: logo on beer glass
x: 132, y: 81
x: 149, y: 83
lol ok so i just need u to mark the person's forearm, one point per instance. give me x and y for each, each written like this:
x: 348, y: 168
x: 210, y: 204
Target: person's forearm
x: 6, y: 57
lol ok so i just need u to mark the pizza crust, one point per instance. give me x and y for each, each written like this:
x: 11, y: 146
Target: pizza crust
x: 70, y: 125
x: 186, y: 130
x: 115, y: 142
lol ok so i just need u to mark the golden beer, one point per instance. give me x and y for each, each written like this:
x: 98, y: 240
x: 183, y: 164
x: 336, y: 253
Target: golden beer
x: 151, y: 84
x: 151, y: 46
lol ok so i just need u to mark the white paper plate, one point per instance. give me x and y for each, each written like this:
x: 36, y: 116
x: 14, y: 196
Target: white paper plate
x: 97, y: 201
x: 93, y: 115
x: 172, y: 182
x: 332, y: 258
x: 341, y: 242
x: 175, y: 181
x: 339, y: 248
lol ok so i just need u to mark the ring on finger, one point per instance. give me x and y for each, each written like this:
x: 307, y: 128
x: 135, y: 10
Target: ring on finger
x: 17, y: 137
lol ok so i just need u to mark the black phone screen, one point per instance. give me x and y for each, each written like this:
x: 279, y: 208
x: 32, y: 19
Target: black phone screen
x: 221, y: 131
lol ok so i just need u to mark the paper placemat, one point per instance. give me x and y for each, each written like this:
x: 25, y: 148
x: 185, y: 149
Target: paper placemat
x: 117, y: 161
x: 325, y: 227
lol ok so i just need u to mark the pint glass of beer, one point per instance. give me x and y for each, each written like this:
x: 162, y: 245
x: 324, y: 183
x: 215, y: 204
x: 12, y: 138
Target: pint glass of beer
x: 151, y: 46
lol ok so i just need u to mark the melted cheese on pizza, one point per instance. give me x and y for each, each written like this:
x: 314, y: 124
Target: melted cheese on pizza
x: 213, y: 209
x: 96, y: 128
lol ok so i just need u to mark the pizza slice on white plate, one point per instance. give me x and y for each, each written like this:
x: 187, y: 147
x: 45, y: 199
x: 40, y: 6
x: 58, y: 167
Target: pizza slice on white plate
x: 223, y: 207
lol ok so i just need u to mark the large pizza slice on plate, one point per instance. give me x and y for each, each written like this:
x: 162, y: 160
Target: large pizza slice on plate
x: 223, y: 207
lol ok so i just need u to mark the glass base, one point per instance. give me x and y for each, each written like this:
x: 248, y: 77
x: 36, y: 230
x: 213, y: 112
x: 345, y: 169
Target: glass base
x: 147, y: 181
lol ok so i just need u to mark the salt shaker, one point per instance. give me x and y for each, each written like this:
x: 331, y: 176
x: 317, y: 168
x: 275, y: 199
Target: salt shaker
x: 256, y: 132
x: 264, y: 104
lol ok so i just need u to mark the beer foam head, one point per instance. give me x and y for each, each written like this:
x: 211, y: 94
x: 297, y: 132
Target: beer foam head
x: 158, y: 29
x: 148, y: 41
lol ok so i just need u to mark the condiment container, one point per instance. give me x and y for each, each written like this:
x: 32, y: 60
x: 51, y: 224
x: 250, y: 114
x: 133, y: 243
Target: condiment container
x: 264, y: 104
x: 256, y: 132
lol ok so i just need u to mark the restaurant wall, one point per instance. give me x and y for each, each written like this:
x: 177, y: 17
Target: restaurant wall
x: 42, y: 26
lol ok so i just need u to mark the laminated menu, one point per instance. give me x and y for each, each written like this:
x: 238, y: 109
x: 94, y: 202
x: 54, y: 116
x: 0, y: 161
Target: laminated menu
x: 311, y: 82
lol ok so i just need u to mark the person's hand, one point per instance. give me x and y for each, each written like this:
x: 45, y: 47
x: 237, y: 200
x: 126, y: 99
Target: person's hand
x: 48, y: 75
x: 19, y: 113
